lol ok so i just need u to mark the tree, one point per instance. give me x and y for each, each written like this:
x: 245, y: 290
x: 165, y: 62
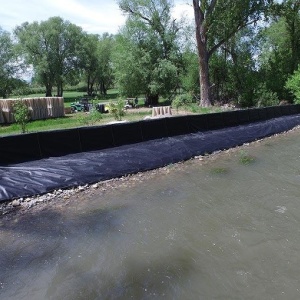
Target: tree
x: 289, y: 11
x: 88, y: 60
x: 147, y: 57
x: 51, y: 47
x: 21, y: 114
x: 9, y: 65
x: 280, y: 47
x: 233, y: 69
x: 293, y: 85
x: 216, y: 22
x: 105, y: 75
x: 190, y: 75
x: 96, y: 62
x: 274, y: 59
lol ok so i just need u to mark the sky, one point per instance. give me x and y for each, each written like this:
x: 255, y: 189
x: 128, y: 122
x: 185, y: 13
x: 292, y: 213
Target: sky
x: 93, y: 16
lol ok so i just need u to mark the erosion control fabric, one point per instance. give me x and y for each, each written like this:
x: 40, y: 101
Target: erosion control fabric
x: 47, y: 174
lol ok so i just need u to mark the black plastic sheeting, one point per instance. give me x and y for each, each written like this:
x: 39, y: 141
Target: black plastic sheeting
x: 34, y: 146
x: 45, y: 175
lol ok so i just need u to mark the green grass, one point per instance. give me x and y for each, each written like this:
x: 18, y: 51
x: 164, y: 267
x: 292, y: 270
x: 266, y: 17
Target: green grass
x: 84, y: 119
x: 69, y: 121
x: 195, y: 108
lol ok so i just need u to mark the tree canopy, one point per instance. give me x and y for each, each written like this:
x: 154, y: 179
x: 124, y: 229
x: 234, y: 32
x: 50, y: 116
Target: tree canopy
x: 216, y: 22
x: 242, y: 52
x: 148, y: 59
x: 10, y: 66
x: 51, y: 47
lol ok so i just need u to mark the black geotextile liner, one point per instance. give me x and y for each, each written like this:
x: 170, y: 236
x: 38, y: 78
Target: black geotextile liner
x: 45, y: 175
x: 33, y: 146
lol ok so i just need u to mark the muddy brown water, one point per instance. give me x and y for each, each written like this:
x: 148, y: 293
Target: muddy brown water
x: 219, y: 230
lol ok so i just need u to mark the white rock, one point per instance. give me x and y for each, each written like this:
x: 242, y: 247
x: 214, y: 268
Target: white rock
x: 16, y: 203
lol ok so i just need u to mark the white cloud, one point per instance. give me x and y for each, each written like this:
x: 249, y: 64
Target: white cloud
x: 94, y: 16
x: 183, y: 9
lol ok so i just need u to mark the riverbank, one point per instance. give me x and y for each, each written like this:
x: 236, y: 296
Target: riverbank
x: 61, y: 198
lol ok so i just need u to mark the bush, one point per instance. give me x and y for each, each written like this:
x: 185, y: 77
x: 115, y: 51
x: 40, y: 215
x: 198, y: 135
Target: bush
x: 117, y: 109
x: 293, y: 85
x: 181, y: 100
x: 90, y: 118
x: 34, y: 90
x: 265, y: 97
x: 21, y: 114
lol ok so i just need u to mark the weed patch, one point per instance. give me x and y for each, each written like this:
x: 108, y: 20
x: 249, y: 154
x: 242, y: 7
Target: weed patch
x: 245, y: 158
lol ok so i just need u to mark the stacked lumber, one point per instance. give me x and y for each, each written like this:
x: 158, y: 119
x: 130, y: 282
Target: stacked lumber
x: 6, y: 107
x: 39, y: 108
x: 161, y: 111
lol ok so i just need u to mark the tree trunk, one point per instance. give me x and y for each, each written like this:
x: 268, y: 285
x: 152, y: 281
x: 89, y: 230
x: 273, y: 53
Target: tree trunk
x: 59, y: 89
x: 88, y: 85
x: 48, y: 90
x: 151, y: 100
x: 204, y: 80
x: 103, y: 90
x: 203, y: 55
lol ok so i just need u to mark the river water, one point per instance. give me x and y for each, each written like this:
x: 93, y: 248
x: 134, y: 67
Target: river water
x: 218, y: 230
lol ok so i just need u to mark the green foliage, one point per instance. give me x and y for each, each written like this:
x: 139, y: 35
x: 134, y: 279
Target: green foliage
x: 190, y: 76
x: 52, y: 47
x: 21, y: 114
x: 265, y: 97
x: 293, y: 85
x: 90, y: 118
x: 29, y: 90
x: 275, y: 59
x: 181, y: 100
x: 9, y: 65
x: 217, y: 22
x: 20, y: 88
x: 95, y: 59
x: 280, y: 48
x: 196, y: 109
x: 117, y: 109
x: 147, y: 59
x: 248, y: 66
x: 233, y: 71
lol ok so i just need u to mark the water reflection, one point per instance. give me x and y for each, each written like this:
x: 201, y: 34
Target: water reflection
x: 222, y: 230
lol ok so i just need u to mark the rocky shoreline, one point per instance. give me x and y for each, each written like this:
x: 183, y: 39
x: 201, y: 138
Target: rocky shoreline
x: 63, y: 197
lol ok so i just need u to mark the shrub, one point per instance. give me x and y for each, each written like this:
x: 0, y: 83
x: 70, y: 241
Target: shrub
x: 117, y: 109
x: 21, y: 114
x: 293, y: 85
x: 265, y: 97
x: 90, y: 118
x: 181, y: 100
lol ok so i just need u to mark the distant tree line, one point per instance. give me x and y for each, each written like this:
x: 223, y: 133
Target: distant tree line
x: 240, y: 52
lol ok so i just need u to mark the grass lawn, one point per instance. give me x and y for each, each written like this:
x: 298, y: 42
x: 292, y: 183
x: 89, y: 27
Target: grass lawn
x: 89, y: 119
x: 71, y: 121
